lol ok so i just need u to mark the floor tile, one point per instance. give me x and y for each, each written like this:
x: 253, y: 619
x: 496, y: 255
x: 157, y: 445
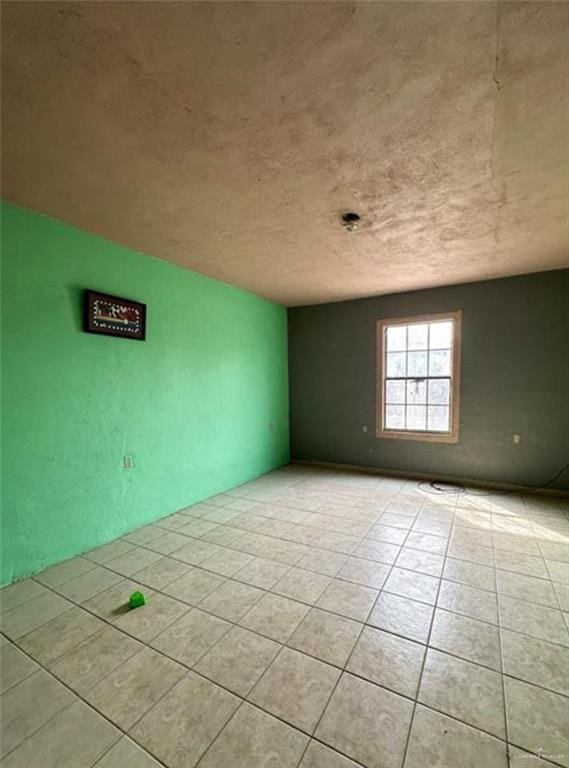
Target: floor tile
x: 322, y: 561
x: 59, y: 574
x: 470, y: 573
x: 470, y: 601
x: 238, y: 660
x: 528, y: 588
x: 127, y: 754
x: 196, y: 551
x: 396, y: 521
x: 149, y: 620
x: 380, y: 551
x: 536, y: 661
x: 261, y: 573
x: 402, y: 616
x: 108, y: 552
x: 28, y: 705
x: 463, y: 690
x: 521, y: 563
x: 473, y: 553
x: 162, y: 572
x: 126, y: 694
x: 558, y: 571
x: 319, y: 756
x: 562, y: 594
x: 389, y: 660
x: 31, y: 614
x: 366, y: 572
x: 168, y: 543
x: 548, y: 732
x: 253, y: 738
x: 143, y: 535
x: 87, y: 585
x: 555, y: 550
x: 224, y: 536
x: 522, y: 541
x: 132, y: 561
x: 326, y: 636
x: 275, y: 617
x: 183, y: 724
x: 348, y: 599
x: 190, y: 637
x: 417, y: 586
x: 287, y: 552
x: 19, y: 593
x: 532, y: 619
x: 231, y: 600
x: 85, y: 665
x: 418, y: 560
x: 172, y: 522
x: 113, y: 603
x: 519, y: 758
x: 78, y: 736
x: 15, y: 666
x: 226, y: 562
x: 193, y: 586
x: 367, y: 723
x: 60, y: 635
x: 438, y: 740
x: 305, y: 586
x: 197, y: 528
x: 427, y: 542
x: 468, y: 638
x: 295, y: 688
x: 387, y: 533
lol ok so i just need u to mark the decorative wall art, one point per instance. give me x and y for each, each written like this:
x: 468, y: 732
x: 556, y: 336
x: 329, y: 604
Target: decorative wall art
x: 113, y: 316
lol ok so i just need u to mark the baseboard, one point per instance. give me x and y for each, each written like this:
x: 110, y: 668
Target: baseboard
x: 426, y: 477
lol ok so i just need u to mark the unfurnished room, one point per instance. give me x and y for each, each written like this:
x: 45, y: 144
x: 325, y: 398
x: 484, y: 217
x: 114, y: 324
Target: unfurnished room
x: 285, y: 384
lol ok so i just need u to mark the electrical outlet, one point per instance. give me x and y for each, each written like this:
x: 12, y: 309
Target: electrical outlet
x: 364, y: 429
x: 128, y: 462
x: 516, y: 439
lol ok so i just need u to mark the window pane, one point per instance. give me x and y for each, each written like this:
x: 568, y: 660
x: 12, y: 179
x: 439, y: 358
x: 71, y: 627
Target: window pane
x: 438, y: 418
x: 394, y: 417
x: 394, y: 391
x: 396, y: 363
x: 417, y: 364
x: 417, y: 391
x: 418, y: 337
x: 439, y: 363
x: 396, y: 338
x: 439, y: 391
x: 441, y: 335
x: 416, y: 417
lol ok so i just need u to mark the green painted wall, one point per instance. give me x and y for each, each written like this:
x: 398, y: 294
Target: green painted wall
x: 201, y: 405
x: 515, y: 379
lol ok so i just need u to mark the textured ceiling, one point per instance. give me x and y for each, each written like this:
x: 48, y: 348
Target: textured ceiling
x: 229, y: 137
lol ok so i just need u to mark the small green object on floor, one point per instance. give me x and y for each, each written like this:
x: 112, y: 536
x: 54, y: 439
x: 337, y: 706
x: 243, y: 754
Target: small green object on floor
x: 136, y: 600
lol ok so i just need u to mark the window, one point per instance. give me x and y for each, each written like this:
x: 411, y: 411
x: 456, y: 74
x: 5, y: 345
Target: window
x: 418, y: 369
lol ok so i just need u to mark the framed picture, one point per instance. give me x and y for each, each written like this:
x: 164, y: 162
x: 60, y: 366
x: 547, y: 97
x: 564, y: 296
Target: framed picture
x: 113, y: 316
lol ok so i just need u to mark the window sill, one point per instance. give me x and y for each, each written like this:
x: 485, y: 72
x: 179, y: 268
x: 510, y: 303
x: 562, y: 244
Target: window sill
x: 424, y: 437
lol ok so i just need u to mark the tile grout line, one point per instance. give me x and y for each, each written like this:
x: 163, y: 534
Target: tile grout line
x: 206, y: 678
x: 502, y: 673
x: 427, y: 645
x: 348, y: 660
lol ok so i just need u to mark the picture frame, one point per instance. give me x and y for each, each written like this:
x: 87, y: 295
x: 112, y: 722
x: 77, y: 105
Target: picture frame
x: 114, y: 316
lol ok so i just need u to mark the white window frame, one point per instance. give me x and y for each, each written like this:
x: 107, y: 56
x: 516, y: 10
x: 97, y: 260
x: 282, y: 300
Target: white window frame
x: 454, y: 411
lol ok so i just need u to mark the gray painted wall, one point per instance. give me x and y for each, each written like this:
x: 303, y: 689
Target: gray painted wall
x: 515, y: 379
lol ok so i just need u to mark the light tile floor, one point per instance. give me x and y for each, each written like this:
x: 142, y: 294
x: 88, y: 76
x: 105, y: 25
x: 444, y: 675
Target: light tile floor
x: 309, y: 618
